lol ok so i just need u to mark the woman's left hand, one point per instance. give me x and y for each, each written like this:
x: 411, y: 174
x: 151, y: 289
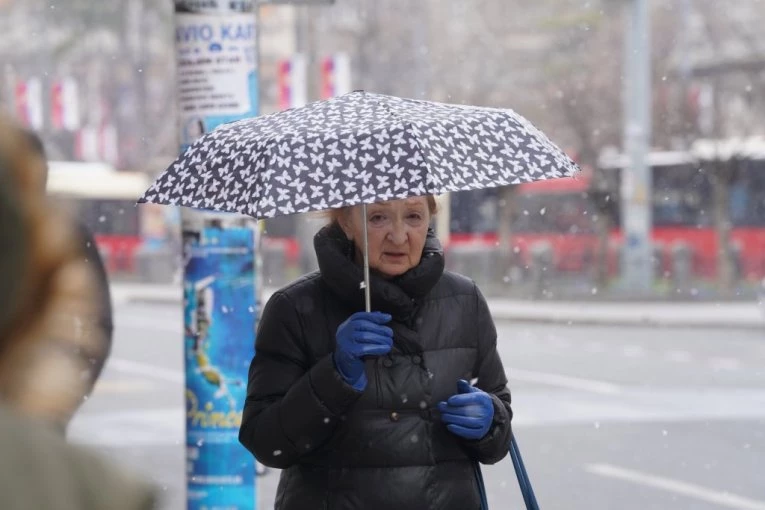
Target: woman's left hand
x: 469, y: 413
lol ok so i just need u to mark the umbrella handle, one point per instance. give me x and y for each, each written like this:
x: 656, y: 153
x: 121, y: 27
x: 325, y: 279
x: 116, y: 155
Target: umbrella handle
x: 365, y: 283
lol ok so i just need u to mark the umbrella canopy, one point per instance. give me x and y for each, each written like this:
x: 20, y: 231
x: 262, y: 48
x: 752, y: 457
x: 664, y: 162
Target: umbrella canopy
x: 357, y: 148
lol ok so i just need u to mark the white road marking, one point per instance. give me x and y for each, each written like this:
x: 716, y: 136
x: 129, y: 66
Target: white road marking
x: 162, y: 325
x: 720, y: 364
x: 720, y: 498
x: 560, y: 342
x: 633, y: 351
x: 678, y: 356
x: 134, y: 428
x: 118, y: 386
x: 594, y: 347
x: 564, y: 381
x: 146, y: 370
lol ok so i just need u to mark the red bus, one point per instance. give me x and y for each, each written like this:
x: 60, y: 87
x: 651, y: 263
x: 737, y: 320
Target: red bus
x: 561, y: 212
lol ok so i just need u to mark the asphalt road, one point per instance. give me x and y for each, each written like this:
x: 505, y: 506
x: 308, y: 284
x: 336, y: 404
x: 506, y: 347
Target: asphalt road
x: 606, y: 417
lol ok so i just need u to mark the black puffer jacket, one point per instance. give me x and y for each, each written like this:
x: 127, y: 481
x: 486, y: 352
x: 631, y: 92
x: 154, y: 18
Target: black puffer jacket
x: 384, y: 448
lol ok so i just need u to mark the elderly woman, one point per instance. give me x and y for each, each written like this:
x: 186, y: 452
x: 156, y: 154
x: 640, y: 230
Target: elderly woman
x: 377, y: 410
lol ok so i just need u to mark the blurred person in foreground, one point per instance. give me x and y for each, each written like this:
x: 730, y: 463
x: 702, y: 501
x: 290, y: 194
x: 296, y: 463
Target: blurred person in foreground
x: 46, y: 291
x: 88, y: 252
x: 377, y: 410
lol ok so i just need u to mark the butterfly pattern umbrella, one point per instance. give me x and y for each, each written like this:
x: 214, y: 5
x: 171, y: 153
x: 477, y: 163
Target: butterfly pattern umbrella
x: 358, y: 148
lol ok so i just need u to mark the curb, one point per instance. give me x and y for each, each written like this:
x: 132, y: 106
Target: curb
x: 130, y: 298
x: 734, y: 316
x: 634, y: 322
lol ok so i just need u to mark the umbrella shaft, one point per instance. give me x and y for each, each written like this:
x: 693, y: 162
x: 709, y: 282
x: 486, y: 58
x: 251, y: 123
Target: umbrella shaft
x: 367, y: 295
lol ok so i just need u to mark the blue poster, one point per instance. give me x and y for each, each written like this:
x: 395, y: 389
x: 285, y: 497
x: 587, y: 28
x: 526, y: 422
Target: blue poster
x: 219, y: 335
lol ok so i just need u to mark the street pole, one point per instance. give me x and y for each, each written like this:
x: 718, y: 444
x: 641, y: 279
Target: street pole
x: 685, y: 69
x: 306, y: 226
x: 636, y: 184
x: 420, y: 48
x: 444, y: 219
x: 217, y: 73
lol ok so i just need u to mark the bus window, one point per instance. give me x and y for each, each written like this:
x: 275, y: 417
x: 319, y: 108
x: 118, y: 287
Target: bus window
x: 560, y: 213
x: 747, y: 195
x: 474, y: 212
x: 682, y: 197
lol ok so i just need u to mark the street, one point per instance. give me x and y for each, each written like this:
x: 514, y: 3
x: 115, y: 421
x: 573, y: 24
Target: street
x: 605, y: 417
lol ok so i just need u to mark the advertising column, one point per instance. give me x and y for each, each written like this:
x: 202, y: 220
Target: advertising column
x: 217, y: 80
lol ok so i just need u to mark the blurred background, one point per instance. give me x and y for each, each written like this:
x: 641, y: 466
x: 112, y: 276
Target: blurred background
x: 96, y: 80
x: 610, y: 414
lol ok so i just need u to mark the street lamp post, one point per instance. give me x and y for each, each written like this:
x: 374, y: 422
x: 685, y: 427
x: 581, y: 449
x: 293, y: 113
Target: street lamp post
x: 636, y: 185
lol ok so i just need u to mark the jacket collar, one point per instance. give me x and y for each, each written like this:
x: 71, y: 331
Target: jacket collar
x: 397, y: 296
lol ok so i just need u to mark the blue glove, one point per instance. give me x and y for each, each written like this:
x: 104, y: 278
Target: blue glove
x: 469, y: 413
x: 363, y: 334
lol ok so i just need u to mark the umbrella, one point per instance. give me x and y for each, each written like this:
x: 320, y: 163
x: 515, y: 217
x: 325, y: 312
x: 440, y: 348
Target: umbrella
x: 358, y: 148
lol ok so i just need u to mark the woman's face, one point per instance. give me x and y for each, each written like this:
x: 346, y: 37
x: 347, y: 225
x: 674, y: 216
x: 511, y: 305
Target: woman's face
x: 396, y: 231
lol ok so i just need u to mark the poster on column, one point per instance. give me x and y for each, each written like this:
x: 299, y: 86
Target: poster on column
x: 220, y: 311
x: 216, y: 70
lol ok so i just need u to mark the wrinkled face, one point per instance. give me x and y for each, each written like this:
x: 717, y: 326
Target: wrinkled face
x: 396, y: 231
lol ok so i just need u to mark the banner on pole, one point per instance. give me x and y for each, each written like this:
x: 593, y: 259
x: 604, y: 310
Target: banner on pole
x: 65, y: 104
x: 220, y: 310
x: 335, y: 75
x: 217, y: 71
x: 292, y: 82
x: 29, y: 103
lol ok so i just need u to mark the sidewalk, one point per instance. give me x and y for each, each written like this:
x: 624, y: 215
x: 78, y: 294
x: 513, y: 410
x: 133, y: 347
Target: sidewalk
x: 712, y: 315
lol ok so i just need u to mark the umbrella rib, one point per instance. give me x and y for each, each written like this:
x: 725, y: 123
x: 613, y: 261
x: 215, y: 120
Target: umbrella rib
x: 408, y: 127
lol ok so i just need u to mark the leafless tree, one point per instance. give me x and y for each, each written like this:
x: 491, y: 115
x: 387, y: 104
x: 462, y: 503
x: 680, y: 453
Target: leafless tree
x: 736, y: 49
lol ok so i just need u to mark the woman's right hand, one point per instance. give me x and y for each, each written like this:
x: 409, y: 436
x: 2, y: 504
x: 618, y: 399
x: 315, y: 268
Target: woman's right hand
x: 363, y: 334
